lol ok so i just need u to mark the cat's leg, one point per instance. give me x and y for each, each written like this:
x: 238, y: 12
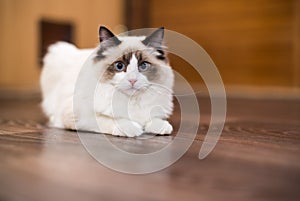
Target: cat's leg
x: 68, y: 118
x: 158, y: 126
x: 117, y: 127
x: 125, y: 127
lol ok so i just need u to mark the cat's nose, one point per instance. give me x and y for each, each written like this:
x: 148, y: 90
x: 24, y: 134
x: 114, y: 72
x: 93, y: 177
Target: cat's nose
x: 132, y: 81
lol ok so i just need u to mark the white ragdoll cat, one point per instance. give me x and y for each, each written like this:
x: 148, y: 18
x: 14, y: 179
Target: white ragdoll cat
x: 134, y: 69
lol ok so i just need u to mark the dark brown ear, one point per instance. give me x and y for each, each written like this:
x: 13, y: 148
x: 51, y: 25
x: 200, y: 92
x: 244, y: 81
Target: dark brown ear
x: 107, y: 37
x: 155, y: 39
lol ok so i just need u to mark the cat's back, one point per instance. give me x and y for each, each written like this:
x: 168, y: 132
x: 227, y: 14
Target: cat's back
x: 62, y: 63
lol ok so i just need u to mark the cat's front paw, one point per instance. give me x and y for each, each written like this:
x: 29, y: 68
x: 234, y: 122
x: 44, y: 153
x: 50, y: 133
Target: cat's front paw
x: 127, y: 128
x: 158, y: 126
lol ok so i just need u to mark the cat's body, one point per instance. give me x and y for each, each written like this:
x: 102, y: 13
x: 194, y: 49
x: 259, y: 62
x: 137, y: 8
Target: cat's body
x: 134, y: 92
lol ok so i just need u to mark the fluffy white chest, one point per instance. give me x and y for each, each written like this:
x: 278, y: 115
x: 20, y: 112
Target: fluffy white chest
x: 140, y: 108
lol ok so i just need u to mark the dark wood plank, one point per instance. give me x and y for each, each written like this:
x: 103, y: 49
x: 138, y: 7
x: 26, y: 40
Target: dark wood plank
x: 256, y: 158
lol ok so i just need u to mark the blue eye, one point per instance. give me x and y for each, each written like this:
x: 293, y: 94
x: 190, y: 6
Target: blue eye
x: 119, y: 66
x: 144, y: 66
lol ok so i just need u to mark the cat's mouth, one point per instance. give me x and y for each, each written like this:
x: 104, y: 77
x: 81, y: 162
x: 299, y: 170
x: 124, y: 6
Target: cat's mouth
x: 133, y: 90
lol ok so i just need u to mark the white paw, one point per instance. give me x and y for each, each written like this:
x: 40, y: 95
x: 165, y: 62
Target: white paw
x: 158, y: 126
x: 127, y: 128
x: 69, y: 120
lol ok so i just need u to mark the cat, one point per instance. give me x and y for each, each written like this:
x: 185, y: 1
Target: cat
x: 135, y: 69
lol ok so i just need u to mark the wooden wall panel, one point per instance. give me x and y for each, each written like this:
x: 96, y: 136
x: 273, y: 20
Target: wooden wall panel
x: 252, y: 42
x: 19, y: 32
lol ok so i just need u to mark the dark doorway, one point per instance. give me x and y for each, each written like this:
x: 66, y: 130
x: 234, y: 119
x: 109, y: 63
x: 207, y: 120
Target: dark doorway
x: 53, y: 31
x: 137, y: 14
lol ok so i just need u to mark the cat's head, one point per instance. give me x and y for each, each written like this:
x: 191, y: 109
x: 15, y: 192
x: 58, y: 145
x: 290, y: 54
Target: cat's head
x: 134, y: 64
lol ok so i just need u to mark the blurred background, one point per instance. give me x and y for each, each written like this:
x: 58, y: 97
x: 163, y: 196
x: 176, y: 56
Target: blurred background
x: 255, y: 44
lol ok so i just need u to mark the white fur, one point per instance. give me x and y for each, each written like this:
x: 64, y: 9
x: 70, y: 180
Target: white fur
x: 119, y: 108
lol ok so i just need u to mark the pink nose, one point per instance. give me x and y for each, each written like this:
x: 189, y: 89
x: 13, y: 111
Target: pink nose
x: 132, y: 81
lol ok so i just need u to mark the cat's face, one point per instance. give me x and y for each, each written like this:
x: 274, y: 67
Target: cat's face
x: 134, y: 64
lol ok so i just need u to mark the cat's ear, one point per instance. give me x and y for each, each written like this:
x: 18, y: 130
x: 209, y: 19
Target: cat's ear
x: 107, y: 37
x: 155, y: 39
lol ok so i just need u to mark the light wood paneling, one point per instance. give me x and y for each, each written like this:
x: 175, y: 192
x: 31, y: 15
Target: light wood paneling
x: 19, y: 66
x: 252, y: 42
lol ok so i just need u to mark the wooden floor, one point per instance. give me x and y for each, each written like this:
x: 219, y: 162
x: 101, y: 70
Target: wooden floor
x: 257, y: 158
